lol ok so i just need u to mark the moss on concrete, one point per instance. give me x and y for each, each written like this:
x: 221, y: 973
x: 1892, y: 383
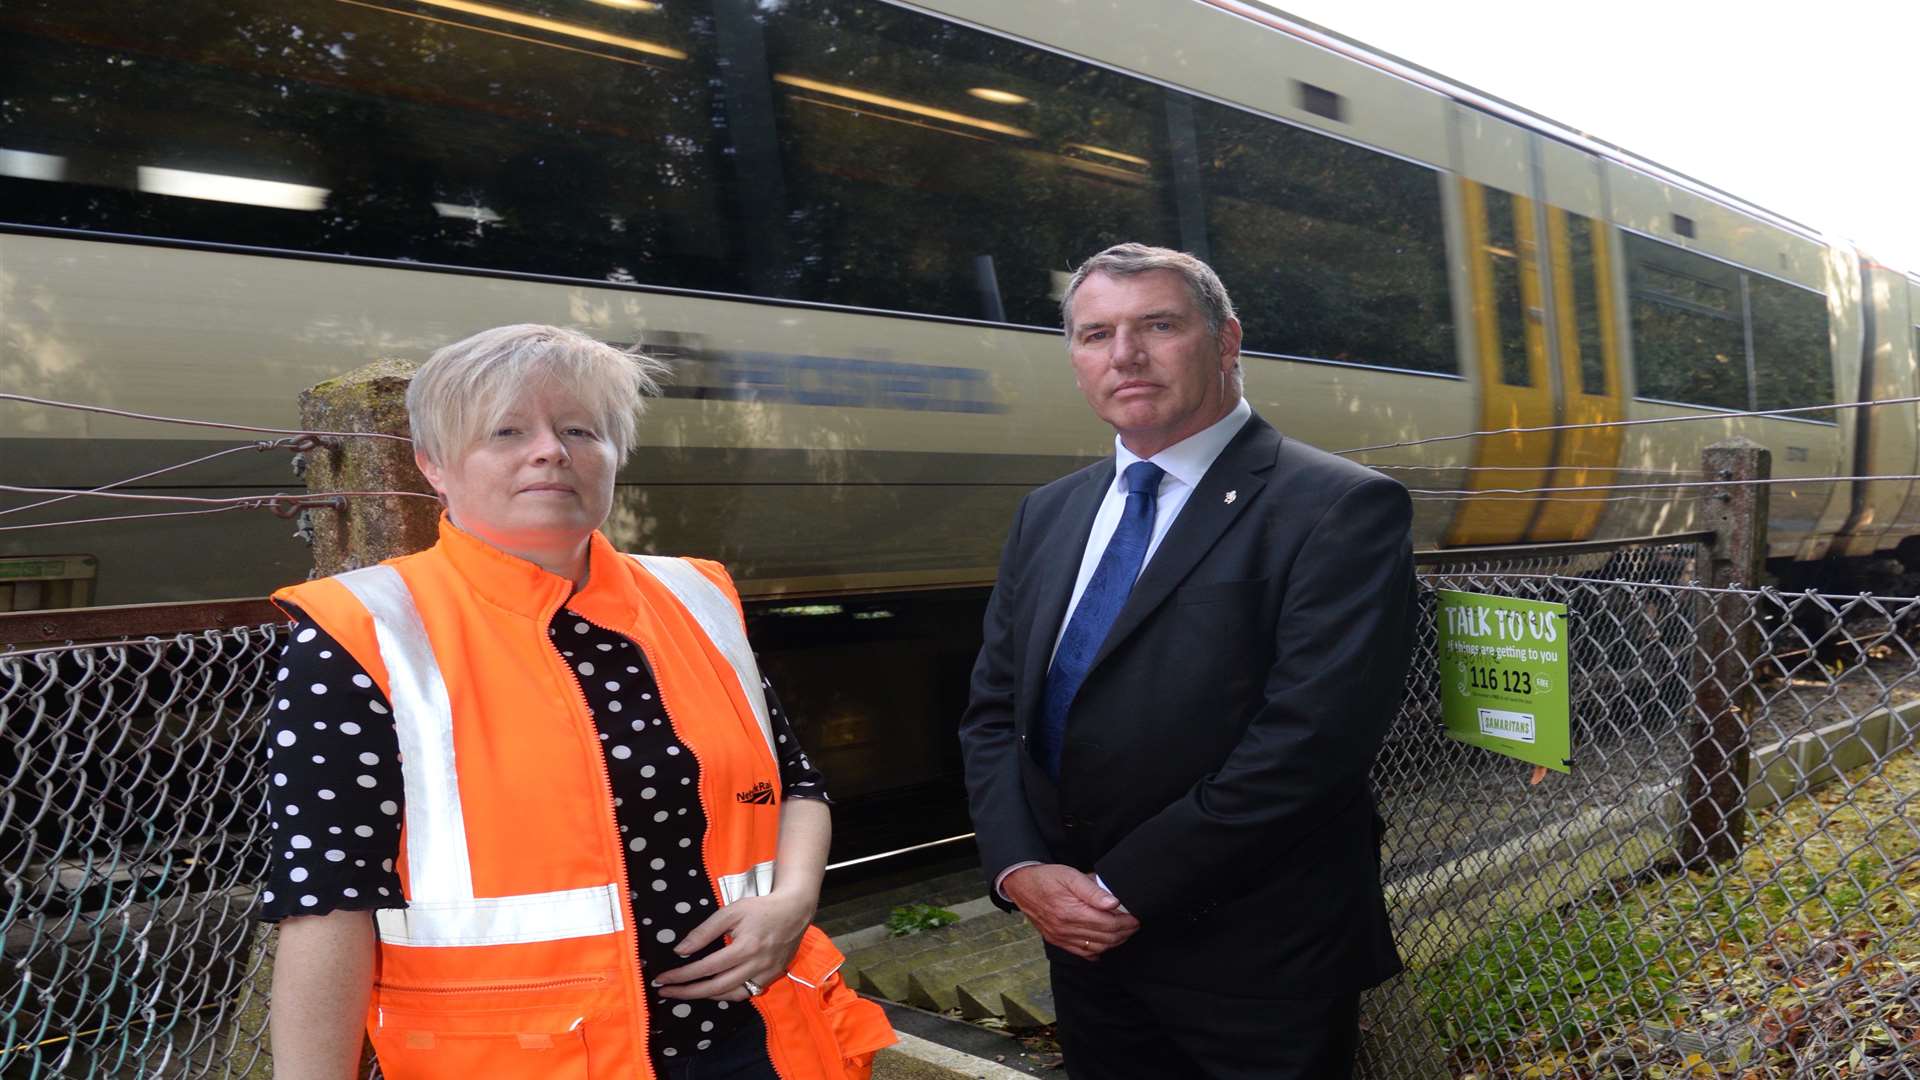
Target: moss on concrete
x: 369, y: 399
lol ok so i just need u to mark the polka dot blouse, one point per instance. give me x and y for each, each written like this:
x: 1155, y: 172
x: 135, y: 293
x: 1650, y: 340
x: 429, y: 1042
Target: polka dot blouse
x: 335, y: 802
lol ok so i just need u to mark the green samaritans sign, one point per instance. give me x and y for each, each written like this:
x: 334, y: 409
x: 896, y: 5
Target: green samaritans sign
x: 1503, y: 675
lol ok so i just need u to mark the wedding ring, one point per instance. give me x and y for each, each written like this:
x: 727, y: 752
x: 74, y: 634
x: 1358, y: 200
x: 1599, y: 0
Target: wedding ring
x: 754, y: 989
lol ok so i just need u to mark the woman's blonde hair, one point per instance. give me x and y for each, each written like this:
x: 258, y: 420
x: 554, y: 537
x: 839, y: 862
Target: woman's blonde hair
x: 467, y: 387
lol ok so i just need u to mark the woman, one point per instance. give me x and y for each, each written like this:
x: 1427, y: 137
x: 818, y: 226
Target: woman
x: 528, y: 794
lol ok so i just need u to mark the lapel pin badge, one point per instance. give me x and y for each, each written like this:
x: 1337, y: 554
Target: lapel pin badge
x: 1231, y: 495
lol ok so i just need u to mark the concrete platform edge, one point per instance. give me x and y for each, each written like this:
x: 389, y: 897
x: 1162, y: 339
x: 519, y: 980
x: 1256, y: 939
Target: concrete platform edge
x: 952, y: 1061
x: 977, y: 1048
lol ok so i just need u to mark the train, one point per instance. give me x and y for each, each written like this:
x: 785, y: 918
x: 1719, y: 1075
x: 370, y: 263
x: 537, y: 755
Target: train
x: 847, y: 225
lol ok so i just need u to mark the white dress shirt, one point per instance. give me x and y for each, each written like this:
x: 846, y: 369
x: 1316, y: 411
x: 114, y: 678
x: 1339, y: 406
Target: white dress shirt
x: 1185, y: 462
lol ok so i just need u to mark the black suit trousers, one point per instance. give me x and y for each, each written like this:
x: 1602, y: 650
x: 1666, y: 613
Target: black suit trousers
x: 1115, y: 1026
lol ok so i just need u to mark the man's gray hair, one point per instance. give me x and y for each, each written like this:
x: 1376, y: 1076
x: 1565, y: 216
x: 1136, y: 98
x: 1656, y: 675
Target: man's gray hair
x: 467, y: 387
x: 1126, y: 260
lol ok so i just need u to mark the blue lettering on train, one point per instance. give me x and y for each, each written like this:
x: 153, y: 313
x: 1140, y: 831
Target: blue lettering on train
x: 838, y: 381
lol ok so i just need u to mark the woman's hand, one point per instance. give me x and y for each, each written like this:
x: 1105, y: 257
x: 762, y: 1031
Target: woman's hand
x: 762, y: 933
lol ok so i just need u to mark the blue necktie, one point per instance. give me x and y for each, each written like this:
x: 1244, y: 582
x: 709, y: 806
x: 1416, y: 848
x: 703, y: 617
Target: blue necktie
x: 1100, y: 604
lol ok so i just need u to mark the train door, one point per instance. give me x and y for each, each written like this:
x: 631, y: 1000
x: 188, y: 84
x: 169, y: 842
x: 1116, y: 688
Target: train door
x: 1584, y: 339
x: 1510, y: 354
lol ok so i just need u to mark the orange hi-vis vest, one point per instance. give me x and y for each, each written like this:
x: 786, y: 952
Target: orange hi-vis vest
x: 516, y: 956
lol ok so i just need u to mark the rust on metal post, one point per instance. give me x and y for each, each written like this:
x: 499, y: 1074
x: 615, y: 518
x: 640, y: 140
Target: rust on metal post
x: 366, y: 530
x: 1729, y: 638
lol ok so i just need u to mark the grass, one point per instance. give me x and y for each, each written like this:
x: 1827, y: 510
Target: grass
x: 1800, y: 958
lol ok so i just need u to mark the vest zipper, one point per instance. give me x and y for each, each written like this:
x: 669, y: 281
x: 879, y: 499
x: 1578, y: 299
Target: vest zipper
x: 620, y: 852
x: 706, y: 808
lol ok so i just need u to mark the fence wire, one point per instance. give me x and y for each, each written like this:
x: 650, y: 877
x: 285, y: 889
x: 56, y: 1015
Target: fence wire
x: 131, y: 841
x: 1550, y: 928
x: 1558, y: 928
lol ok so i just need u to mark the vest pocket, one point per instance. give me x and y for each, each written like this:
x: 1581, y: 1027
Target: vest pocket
x: 513, y: 1029
x: 410, y: 1052
x: 853, y: 1027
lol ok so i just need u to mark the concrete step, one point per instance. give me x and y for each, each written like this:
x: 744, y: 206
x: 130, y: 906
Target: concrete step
x: 935, y: 985
x: 888, y: 977
x: 1029, y: 1006
x: 980, y: 998
x: 873, y: 909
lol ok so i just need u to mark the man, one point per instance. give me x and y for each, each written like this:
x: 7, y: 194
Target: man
x: 1192, y: 654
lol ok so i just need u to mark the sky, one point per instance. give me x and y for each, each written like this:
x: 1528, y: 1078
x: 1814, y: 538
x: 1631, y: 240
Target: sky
x: 1809, y: 110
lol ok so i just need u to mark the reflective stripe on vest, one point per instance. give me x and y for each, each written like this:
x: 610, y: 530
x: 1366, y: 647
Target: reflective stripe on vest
x: 720, y: 619
x: 442, y: 910
x: 714, y: 611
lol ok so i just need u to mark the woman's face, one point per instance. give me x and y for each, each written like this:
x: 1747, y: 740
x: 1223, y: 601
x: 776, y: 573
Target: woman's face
x: 541, y: 479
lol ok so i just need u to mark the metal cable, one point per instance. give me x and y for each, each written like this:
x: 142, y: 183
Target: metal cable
x: 189, y: 422
x: 1531, y: 468
x: 282, y: 444
x: 1672, y: 485
x: 1422, y: 496
x: 1730, y: 415
x: 126, y: 517
x: 236, y: 500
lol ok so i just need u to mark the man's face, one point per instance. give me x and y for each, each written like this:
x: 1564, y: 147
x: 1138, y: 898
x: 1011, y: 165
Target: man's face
x: 1145, y: 361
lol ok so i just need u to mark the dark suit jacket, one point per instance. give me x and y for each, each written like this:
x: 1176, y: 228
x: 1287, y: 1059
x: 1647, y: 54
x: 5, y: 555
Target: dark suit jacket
x: 1214, y: 769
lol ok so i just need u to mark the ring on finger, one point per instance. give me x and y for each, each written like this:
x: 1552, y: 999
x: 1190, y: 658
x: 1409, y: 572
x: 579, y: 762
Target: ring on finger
x: 754, y: 989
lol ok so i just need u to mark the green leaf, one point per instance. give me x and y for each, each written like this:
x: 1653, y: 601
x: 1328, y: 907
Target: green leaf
x: 913, y: 918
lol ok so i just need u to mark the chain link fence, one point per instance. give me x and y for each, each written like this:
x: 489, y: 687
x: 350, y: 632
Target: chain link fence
x: 1580, y: 926
x: 1726, y: 884
x: 131, y: 839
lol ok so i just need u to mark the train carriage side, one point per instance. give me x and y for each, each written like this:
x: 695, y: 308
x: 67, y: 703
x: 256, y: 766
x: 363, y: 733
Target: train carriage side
x: 853, y: 415
x: 1883, y: 512
x: 897, y: 372
x: 1729, y: 314
x: 1408, y: 265
x: 1897, y: 332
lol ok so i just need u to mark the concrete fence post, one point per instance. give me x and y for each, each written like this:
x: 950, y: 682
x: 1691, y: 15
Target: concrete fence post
x: 1714, y: 826
x: 364, y: 530
x: 359, y: 532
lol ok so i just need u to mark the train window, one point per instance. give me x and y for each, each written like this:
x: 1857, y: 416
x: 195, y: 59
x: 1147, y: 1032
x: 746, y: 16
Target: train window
x: 497, y: 135
x: 1586, y: 305
x: 1320, y: 101
x: 932, y: 168
x: 1689, y: 341
x: 1503, y: 257
x: 1792, y: 358
x: 851, y: 153
x: 1332, y: 251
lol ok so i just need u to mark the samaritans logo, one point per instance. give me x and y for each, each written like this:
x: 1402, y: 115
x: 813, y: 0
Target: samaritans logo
x: 1516, y: 726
